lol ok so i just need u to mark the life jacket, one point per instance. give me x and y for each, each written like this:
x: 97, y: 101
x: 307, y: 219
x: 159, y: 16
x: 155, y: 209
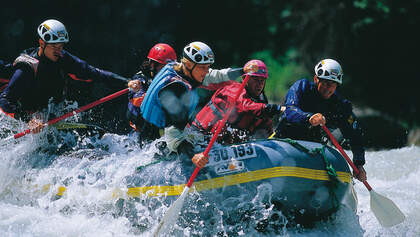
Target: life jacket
x: 209, y: 118
x: 27, y: 60
x: 30, y: 57
x: 151, y: 108
x: 7, y: 70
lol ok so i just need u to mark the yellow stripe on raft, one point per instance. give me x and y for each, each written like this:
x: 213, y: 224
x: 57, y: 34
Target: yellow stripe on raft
x: 234, y: 179
x: 228, y: 180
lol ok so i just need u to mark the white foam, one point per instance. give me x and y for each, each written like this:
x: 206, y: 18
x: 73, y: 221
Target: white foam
x: 88, y: 209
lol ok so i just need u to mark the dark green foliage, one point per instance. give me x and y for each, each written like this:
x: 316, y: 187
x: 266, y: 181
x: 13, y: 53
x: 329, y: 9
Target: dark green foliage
x: 376, y: 41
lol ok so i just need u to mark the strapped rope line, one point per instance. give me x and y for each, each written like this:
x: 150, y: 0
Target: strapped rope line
x: 332, y: 174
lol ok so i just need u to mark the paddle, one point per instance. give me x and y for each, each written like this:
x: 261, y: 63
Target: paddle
x: 387, y: 213
x: 172, y: 214
x: 74, y: 112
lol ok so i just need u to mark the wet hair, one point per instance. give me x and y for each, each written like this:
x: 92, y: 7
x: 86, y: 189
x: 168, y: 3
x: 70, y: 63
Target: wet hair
x: 178, y: 66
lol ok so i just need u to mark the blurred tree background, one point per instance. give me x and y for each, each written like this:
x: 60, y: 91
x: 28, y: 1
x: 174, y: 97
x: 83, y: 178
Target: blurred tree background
x: 374, y: 40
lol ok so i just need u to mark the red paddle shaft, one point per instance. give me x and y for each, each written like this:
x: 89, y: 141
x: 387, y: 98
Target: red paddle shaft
x: 219, y: 128
x: 334, y: 141
x: 74, y: 112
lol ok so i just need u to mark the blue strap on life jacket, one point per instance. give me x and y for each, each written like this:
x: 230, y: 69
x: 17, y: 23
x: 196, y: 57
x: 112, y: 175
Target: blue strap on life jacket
x: 194, y: 99
x: 151, y: 108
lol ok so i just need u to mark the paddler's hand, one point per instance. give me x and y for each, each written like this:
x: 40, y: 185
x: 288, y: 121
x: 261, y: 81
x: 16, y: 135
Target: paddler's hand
x: 200, y: 160
x: 274, y: 109
x: 362, y: 174
x: 317, y: 119
x: 35, y: 125
x: 134, y: 85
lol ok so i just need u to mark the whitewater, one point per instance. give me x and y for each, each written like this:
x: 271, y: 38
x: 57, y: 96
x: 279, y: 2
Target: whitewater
x: 95, y: 170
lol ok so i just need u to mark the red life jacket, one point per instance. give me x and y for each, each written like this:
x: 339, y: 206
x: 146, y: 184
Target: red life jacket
x: 247, y: 114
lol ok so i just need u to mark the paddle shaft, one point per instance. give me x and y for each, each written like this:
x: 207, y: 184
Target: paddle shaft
x: 219, y: 129
x: 76, y: 111
x: 334, y: 141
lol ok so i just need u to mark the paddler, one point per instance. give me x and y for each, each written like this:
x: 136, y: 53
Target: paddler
x: 313, y: 103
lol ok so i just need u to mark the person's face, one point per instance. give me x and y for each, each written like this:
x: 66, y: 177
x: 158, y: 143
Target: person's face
x: 200, y: 71
x: 326, y: 88
x: 52, y: 51
x: 158, y: 67
x: 255, y: 85
x: 155, y: 67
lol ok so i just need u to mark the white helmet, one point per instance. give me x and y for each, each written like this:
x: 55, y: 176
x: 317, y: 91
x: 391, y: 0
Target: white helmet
x: 329, y: 69
x: 53, y: 31
x: 199, y: 53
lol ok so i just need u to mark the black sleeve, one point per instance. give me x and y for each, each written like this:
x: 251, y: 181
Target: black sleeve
x: 272, y: 109
x: 84, y: 71
x: 16, y: 89
x: 352, y: 131
x: 6, y: 70
x: 174, y: 99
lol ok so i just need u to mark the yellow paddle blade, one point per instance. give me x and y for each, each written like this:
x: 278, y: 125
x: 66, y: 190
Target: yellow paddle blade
x: 385, y: 210
x: 65, y: 125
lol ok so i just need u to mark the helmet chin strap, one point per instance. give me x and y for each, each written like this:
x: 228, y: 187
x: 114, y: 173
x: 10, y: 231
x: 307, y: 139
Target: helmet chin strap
x: 317, y: 81
x: 190, y: 71
x: 43, y: 49
x: 152, y: 69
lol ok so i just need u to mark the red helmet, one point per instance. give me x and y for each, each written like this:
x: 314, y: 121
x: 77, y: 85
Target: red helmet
x: 257, y: 68
x: 162, y: 53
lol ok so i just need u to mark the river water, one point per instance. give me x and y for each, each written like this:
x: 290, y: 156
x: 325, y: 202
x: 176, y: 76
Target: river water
x: 94, y: 173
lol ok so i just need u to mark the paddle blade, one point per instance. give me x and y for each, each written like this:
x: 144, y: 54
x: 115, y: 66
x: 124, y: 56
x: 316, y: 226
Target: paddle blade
x: 171, y: 216
x: 385, y: 210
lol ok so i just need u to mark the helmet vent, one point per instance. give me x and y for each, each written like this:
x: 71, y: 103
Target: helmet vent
x: 327, y: 73
x: 198, y: 58
x: 55, y: 37
x: 194, y: 51
x: 44, y: 30
x: 319, y: 73
x: 47, y: 37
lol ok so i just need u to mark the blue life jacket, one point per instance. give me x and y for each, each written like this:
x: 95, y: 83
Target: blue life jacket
x: 151, y: 108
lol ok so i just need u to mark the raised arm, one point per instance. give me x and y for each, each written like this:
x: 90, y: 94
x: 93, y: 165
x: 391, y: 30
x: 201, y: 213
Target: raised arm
x: 216, y: 76
x: 79, y: 69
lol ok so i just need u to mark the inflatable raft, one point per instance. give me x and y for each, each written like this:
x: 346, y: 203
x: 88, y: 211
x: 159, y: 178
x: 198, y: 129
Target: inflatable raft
x: 309, y: 181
